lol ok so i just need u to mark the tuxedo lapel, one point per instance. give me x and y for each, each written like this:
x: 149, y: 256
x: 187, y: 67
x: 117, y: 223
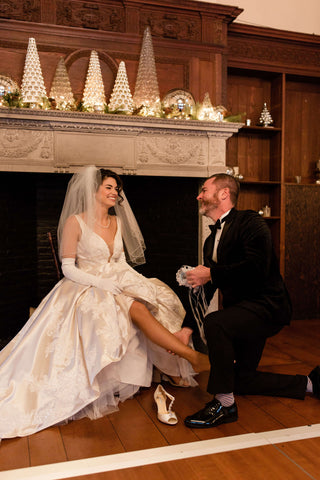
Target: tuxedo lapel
x: 208, y: 249
x: 225, y: 232
x: 224, y: 235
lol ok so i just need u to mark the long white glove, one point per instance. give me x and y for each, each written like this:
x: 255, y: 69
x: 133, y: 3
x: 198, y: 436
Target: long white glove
x: 74, y: 273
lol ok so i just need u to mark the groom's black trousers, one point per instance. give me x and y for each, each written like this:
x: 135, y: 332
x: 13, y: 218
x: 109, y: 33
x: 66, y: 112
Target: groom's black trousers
x: 236, y: 338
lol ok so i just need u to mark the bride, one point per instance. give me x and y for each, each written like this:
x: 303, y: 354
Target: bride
x: 94, y: 339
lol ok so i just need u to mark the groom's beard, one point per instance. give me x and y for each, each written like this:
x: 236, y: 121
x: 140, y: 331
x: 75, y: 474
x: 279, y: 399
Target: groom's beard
x: 208, y: 206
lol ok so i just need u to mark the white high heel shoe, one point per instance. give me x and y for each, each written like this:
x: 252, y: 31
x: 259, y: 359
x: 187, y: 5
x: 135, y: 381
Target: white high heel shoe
x: 165, y: 416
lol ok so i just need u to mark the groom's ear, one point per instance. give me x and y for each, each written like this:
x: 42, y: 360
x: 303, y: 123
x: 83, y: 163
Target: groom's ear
x: 224, y: 193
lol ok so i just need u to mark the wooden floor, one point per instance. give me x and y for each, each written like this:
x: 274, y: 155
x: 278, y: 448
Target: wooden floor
x: 135, y: 427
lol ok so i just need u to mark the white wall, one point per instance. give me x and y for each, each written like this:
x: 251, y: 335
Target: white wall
x: 293, y: 15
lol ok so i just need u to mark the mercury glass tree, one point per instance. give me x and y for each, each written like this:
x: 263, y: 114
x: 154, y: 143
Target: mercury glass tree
x: 61, y: 89
x: 265, y: 117
x: 146, y: 92
x: 93, y: 95
x: 121, y: 98
x: 33, y: 90
x: 207, y: 111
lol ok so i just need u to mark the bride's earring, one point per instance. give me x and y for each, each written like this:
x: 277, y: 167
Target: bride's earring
x: 165, y: 416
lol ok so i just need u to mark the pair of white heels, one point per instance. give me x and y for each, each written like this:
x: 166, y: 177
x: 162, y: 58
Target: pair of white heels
x: 164, y: 415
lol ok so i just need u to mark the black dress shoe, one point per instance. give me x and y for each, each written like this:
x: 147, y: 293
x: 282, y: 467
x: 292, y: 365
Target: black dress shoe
x: 211, y: 415
x: 314, y: 376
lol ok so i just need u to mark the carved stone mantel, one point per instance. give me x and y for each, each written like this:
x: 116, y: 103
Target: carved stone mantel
x: 47, y: 141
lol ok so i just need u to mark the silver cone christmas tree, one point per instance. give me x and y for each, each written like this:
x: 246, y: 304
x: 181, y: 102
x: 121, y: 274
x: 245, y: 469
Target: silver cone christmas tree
x: 93, y: 95
x: 265, y: 116
x: 33, y: 90
x: 61, y: 88
x: 146, y: 92
x: 121, y: 98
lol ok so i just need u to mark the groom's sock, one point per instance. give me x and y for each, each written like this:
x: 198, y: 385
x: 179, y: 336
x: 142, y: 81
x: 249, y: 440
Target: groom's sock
x: 226, y: 399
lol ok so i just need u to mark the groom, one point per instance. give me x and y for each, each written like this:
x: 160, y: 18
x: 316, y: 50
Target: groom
x: 239, y: 260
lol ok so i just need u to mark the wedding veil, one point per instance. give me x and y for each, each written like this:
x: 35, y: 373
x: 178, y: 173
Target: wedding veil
x: 80, y: 198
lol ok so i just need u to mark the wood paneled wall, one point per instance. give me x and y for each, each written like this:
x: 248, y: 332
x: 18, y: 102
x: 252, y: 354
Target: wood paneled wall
x: 282, y: 69
x: 302, y: 141
x: 302, y: 249
x: 189, y: 40
x: 273, y: 50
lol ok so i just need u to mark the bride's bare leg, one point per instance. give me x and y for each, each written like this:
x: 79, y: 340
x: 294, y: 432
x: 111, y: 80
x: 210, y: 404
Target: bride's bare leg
x: 158, y: 334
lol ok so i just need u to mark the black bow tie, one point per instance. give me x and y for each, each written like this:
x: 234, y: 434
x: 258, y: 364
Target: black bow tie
x: 217, y: 225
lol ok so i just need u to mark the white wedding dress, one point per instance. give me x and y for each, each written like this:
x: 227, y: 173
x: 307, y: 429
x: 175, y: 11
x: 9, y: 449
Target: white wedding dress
x: 79, y: 354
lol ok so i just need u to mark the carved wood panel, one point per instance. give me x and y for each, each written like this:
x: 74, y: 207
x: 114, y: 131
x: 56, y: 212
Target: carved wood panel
x: 278, y: 51
x: 91, y: 15
x: 27, y: 11
x: 302, y: 274
x: 171, y: 25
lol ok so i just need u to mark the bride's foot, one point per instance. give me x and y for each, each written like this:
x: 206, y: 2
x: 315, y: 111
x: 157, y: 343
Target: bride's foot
x: 201, y: 363
x: 158, y: 377
x: 175, y: 381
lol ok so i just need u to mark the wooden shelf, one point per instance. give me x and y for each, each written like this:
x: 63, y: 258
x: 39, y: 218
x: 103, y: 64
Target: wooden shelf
x: 260, y: 182
x: 258, y: 129
x: 302, y: 184
x: 291, y: 89
x: 255, y: 149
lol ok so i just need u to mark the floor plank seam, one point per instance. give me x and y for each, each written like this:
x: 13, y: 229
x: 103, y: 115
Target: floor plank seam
x: 294, y: 462
x: 63, y: 443
x: 29, y: 453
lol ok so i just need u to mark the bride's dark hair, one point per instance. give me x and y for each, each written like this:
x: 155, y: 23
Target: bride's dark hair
x: 105, y: 173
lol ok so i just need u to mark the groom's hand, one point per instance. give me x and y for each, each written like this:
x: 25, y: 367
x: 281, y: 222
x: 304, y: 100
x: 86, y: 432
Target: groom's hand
x: 198, y: 276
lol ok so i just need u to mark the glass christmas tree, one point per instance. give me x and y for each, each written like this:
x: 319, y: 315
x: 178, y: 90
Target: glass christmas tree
x: 61, y: 88
x: 93, y: 95
x: 33, y: 90
x: 121, y: 98
x: 265, y: 116
x: 207, y: 112
x: 146, y: 95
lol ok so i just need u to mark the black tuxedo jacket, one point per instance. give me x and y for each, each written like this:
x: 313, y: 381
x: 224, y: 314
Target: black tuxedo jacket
x: 247, y: 272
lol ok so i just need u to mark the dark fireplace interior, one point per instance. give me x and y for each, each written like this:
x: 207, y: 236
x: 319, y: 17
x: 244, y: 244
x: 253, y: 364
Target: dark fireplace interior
x: 165, y: 207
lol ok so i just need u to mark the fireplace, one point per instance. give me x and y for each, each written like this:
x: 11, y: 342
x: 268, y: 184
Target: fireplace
x: 162, y: 163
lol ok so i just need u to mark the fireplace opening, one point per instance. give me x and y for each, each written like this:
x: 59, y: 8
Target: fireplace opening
x: 165, y: 207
